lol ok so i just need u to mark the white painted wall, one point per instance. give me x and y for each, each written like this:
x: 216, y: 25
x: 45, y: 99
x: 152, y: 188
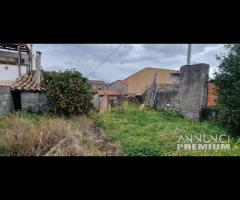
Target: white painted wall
x: 33, y: 61
x: 11, y: 74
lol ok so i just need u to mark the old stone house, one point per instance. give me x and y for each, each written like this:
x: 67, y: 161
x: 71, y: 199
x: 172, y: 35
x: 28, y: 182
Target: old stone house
x: 20, y: 77
x: 120, y: 85
x: 139, y: 81
x: 28, y: 94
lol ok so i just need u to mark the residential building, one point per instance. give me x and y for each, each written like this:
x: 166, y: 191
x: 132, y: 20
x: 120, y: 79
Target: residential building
x: 120, y: 85
x: 16, y: 60
x: 98, y: 85
x: 20, y: 77
x: 212, y: 95
x: 139, y: 81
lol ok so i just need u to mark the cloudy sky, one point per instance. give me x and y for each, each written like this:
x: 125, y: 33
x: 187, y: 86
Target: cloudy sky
x: 128, y: 59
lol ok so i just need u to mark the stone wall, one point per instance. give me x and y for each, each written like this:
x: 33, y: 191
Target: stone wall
x: 33, y: 101
x: 6, y: 104
x: 193, y: 89
x: 189, y: 97
x: 167, y: 97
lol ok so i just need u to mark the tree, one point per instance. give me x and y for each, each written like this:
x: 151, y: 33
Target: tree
x: 68, y: 92
x: 228, y: 88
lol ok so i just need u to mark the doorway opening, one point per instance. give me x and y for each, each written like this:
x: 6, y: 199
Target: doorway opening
x: 17, y: 100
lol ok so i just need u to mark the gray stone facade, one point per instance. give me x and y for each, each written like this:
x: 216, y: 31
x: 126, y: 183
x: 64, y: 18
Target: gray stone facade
x: 6, y: 104
x: 119, y: 86
x: 33, y: 101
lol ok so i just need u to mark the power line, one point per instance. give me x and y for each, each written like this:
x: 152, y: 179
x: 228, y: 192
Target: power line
x: 109, y: 56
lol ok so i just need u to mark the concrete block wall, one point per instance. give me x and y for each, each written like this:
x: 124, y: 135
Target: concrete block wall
x: 104, y: 104
x: 33, y: 101
x: 193, y: 89
x: 96, y: 102
x: 6, y: 104
x: 167, y: 97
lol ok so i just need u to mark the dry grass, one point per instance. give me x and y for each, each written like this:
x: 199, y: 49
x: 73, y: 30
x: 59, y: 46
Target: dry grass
x: 52, y: 136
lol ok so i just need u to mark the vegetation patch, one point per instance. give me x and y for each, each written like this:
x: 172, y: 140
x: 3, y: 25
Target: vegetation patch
x: 152, y: 133
x: 28, y: 134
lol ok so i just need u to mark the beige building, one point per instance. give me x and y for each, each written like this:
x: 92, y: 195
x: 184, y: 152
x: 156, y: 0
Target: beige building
x: 139, y: 81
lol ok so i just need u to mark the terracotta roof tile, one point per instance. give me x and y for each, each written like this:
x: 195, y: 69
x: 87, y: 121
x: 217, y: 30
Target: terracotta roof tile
x: 26, y: 82
x: 97, y: 82
x: 108, y: 92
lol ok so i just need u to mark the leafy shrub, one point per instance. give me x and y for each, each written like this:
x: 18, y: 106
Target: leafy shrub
x: 68, y: 93
x: 228, y: 88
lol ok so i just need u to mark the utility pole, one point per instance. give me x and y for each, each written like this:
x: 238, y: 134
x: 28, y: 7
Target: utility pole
x: 189, y: 54
x: 19, y: 60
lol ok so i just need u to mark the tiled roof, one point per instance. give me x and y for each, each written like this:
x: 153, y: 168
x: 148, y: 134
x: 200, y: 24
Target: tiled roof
x: 108, y: 92
x: 96, y: 82
x: 26, y: 82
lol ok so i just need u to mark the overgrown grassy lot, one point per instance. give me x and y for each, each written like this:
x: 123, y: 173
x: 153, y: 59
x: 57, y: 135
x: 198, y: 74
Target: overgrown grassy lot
x: 27, y: 134
x: 125, y: 130
x: 150, y: 133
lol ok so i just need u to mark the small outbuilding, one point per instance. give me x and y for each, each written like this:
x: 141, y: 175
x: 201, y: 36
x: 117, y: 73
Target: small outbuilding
x: 28, y: 93
x: 112, y: 97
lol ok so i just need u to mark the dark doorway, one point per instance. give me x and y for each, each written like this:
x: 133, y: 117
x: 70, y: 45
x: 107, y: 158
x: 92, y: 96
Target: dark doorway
x: 139, y: 98
x: 17, y: 100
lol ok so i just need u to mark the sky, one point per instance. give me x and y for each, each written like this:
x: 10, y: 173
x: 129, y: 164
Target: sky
x: 128, y: 59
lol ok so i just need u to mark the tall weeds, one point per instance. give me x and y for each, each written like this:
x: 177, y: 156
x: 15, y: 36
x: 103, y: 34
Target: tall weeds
x: 51, y: 136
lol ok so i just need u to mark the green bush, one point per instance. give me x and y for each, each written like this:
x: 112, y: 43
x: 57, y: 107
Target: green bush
x: 228, y: 88
x: 68, y: 93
